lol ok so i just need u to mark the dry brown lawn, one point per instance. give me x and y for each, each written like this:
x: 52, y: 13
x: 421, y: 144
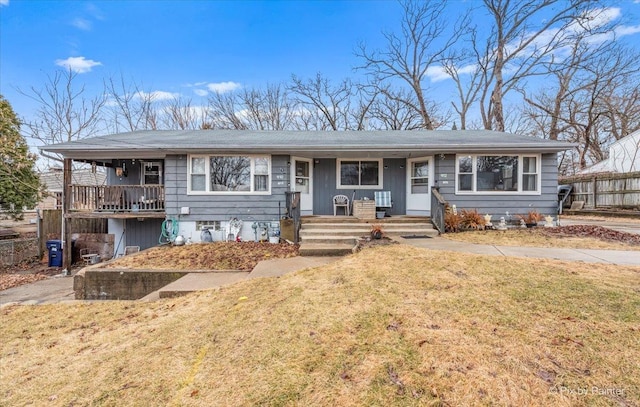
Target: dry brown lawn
x: 206, y: 256
x: 391, y: 325
x: 536, y: 237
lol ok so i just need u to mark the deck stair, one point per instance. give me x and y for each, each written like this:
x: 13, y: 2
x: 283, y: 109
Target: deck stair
x: 337, y: 235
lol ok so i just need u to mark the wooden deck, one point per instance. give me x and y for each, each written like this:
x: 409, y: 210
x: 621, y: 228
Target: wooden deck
x: 116, y: 201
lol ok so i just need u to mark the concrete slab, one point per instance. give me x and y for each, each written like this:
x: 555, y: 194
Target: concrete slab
x: 278, y: 267
x: 550, y: 253
x: 630, y: 258
x: 52, y: 290
x: 200, y: 281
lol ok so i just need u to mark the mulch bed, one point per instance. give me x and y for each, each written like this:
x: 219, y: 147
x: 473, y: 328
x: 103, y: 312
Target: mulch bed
x: 598, y: 232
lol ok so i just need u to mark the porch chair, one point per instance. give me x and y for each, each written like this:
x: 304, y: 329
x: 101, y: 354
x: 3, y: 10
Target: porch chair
x: 383, y: 200
x: 340, y: 201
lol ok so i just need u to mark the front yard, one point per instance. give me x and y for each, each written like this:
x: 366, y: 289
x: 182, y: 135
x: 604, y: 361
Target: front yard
x: 391, y: 325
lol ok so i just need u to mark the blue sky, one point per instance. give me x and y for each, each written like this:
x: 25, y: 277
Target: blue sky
x: 193, y: 47
x: 170, y: 46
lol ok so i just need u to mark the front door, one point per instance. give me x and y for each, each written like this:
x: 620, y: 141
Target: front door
x: 303, y: 183
x: 419, y: 182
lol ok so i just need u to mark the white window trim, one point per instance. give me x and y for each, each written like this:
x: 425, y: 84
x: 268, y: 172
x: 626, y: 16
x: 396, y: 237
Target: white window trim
x: 339, y: 179
x: 207, y: 173
x: 474, y: 160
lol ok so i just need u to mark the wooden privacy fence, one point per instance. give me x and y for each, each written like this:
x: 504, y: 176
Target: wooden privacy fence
x: 606, y: 190
x: 51, y: 226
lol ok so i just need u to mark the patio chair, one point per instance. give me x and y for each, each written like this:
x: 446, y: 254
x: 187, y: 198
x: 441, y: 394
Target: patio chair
x: 383, y: 201
x: 131, y: 249
x: 340, y: 201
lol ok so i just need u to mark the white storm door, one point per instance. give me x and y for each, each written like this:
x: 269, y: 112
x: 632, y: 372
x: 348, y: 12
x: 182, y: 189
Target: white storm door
x: 419, y: 182
x: 303, y: 183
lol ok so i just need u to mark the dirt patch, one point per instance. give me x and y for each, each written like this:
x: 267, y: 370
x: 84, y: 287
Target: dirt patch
x: 366, y: 241
x: 206, y: 256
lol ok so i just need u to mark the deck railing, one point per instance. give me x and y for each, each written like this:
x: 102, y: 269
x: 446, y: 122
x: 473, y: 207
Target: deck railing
x: 438, y: 207
x: 293, y: 210
x: 117, y: 198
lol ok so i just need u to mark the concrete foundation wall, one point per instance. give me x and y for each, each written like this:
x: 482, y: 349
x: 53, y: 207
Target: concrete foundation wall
x: 113, y: 284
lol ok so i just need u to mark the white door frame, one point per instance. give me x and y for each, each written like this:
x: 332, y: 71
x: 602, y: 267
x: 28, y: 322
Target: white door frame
x: 419, y: 204
x: 306, y: 199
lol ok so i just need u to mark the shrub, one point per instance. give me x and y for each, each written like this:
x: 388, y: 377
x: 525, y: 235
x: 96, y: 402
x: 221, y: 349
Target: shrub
x: 471, y: 219
x: 452, y: 221
x: 531, y: 217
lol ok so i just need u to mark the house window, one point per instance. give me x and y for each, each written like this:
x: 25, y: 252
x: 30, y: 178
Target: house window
x: 151, y: 173
x: 529, y: 173
x: 420, y: 177
x: 230, y: 174
x: 498, y: 174
x: 359, y: 174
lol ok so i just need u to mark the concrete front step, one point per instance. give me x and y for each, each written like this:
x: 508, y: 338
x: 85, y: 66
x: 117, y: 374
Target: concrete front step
x: 326, y: 249
x: 308, y: 220
x: 339, y: 238
x: 362, y: 229
x: 355, y: 225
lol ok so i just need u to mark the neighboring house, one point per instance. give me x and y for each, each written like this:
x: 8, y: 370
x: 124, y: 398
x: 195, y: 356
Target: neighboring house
x: 624, y: 156
x: 52, y: 181
x: 207, y: 177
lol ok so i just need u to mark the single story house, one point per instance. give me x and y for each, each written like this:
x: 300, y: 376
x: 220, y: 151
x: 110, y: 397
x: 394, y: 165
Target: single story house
x: 204, y: 178
x: 624, y: 156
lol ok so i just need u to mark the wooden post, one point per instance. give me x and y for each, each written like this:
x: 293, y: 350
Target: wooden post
x: 595, y: 195
x: 66, y: 205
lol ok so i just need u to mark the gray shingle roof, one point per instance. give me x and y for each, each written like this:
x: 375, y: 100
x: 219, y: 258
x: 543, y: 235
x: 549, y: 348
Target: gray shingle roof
x: 164, y: 142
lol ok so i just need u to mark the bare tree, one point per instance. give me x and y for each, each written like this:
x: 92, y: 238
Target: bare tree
x: 594, y: 102
x: 223, y: 112
x: 64, y: 112
x: 180, y: 114
x: 329, y: 105
x: 131, y: 107
x: 425, y: 38
x: 267, y: 109
x: 517, y: 44
x: 395, y: 109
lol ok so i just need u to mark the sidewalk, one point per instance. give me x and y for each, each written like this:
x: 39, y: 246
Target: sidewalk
x: 619, y: 257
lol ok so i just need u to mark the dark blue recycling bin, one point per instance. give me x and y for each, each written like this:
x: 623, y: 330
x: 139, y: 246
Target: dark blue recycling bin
x: 55, y: 253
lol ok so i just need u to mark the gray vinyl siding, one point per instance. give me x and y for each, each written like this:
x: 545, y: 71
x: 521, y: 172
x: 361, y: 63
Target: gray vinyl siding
x: 133, y: 173
x: 498, y: 205
x: 224, y: 207
x: 144, y: 233
x: 324, y: 185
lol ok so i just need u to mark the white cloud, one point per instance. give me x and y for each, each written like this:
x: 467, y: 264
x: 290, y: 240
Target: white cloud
x: 82, y: 24
x: 157, y: 95
x: 200, y: 92
x: 223, y: 87
x: 437, y: 74
x: 4, y: 2
x: 628, y: 29
x: 78, y: 64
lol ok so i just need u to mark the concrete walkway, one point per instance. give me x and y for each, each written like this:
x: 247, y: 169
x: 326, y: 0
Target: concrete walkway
x: 619, y: 257
x: 52, y: 290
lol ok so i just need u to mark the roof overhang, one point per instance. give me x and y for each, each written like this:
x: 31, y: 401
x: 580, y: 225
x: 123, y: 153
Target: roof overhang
x: 157, y: 145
